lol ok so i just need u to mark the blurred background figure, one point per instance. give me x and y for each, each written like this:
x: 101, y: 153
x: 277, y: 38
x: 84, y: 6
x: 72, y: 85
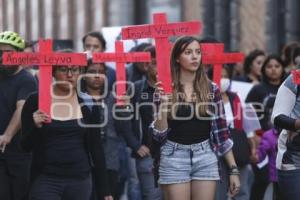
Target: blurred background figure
x: 252, y: 67
x: 288, y: 55
x: 137, y: 71
x: 273, y: 75
x: 95, y: 42
x: 29, y: 48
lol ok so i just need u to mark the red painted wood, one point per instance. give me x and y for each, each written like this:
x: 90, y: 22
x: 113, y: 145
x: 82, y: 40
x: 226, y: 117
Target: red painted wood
x: 161, y: 31
x: 121, y: 58
x: 214, y: 54
x: 45, y: 59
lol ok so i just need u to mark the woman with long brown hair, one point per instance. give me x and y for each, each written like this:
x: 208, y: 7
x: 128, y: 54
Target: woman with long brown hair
x: 192, y: 129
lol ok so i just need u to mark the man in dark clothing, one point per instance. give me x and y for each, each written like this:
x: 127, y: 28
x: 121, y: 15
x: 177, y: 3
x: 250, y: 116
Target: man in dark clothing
x: 134, y: 72
x: 136, y: 130
x: 15, y: 86
x: 137, y: 71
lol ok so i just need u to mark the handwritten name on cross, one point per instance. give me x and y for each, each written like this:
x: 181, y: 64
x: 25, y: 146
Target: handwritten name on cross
x: 160, y: 31
x: 213, y: 53
x: 121, y: 59
x: 45, y: 59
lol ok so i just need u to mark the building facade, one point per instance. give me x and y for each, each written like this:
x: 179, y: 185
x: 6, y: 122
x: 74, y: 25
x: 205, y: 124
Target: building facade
x: 241, y: 24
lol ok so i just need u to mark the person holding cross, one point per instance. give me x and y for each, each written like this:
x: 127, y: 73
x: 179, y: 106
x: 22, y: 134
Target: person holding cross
x: 95, y: 92
x: 136, y: 128
x: 65, y: 149
x: 15, y: 86
x: 192, y: 129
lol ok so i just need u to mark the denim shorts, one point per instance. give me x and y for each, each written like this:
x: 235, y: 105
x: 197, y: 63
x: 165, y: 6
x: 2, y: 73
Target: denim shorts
x: 184, y: 163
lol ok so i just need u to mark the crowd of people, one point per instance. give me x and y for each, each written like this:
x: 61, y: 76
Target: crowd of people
x: 194, y: 143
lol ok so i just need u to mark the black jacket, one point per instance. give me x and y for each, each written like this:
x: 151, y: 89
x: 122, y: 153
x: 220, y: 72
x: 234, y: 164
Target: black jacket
x: 32, y: 140
x: 131, y: 129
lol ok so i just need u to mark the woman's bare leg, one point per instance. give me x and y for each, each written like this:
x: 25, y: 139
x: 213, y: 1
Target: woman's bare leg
x: 203, y: 190
x: 180, y: 191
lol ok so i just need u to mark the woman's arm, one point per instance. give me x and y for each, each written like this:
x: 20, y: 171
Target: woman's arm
x: 159, y: 127
x: 234, y: 181
x: 281, y: 111
x: 28, y: 128
x: 222, y: 137
x: 229, y: 159
x: 161, y: 118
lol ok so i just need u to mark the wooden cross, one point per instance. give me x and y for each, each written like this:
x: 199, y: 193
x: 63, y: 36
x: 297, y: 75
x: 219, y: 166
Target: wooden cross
x: 161, y: 31
x: 121, y: 59
x: 45, y: 59
x: 213, y: 53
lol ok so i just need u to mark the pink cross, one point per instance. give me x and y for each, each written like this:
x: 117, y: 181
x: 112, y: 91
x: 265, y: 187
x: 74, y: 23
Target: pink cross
x: 161, y: 31
x: 213, y: 53
x: 121, y: 59
x: 45, y: 59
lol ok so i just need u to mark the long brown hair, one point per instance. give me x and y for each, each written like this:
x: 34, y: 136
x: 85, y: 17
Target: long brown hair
x: 201, y: 83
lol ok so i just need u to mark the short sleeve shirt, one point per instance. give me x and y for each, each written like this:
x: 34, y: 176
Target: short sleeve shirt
x: 13, y: 89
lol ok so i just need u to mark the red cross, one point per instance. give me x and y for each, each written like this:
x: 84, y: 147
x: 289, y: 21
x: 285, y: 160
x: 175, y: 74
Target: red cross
x: 121, y: 58
x: 212, y: 53
x: 160, y: 31
x: 45, y: 59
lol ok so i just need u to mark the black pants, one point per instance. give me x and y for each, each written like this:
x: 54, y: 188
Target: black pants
x: 260, y: 184
x: 113, y: 178
x: 276, y: 192
x: 47, y: 187
x: 14, y: 179
x: 288, y: 183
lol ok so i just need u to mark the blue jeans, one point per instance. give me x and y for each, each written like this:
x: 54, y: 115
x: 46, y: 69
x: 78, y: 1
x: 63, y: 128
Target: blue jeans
x: 195, y: 161
x: 141, y: 183
x: 146, y: 178
x: 124, y: 168
x: 134, y: 189
x: 223, y: 186
x: 289, y: 182
x: 244, y: 193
